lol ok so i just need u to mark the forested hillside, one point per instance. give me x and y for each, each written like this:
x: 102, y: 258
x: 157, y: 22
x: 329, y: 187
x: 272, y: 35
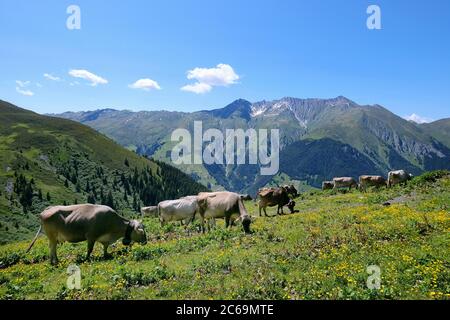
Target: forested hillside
x: 50, y: 161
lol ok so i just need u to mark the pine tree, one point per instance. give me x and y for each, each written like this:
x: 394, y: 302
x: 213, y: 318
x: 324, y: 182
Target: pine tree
x: 91, y: 198
x: 110, y: 200
x: 136, y: 205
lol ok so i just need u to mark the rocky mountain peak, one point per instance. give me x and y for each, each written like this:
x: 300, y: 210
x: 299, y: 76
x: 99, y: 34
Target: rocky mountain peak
x: 240, y: 108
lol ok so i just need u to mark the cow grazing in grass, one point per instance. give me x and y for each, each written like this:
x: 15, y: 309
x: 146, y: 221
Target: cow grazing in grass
x: 398, y: 176
x: 270, y: 197
x: 151, y: 211
x: 327, y: 185
x: 223, y: 205
x: 87, y: 222
x: 344, y: 182
x: 366, y: 181
x: 183, y: 209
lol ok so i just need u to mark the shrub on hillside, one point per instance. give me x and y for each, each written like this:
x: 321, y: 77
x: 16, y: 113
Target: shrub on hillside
x: 431, y: 176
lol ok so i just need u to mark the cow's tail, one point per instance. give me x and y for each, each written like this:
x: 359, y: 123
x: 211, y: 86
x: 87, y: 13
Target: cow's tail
x: 35, y: 238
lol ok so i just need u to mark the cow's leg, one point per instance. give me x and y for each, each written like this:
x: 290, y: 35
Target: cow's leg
x: 192, y: 219
x: 209, y: 224
x: 227, y: 221
x: 280, y: 208
x: 52, y: 246
x: 90, y: 247
x: 202, y: 220
x: 260, y: 209
x: 105, y: 250
x: 265, y: 211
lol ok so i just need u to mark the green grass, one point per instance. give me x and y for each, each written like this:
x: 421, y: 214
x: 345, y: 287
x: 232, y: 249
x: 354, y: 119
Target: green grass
x: 322, y: 252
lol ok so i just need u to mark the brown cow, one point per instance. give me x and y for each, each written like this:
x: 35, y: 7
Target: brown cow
x: 270, y: 197
x: 93, y: 223
x: 223, y: 204
x: 371, y: 181
x: 151, y: 211
x: 344, y: 182
x: 398, y: 176
x: 327, y: 185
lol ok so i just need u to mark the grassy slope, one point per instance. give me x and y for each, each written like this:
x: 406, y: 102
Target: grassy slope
x: 439, y: 129
x: 45, y: 143
x: 320, y: 253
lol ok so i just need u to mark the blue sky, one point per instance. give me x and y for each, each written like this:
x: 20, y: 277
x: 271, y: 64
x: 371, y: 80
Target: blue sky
x: 274, y: 49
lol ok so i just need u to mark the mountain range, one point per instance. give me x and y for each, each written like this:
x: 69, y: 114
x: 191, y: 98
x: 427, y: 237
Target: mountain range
x: 319, y: 139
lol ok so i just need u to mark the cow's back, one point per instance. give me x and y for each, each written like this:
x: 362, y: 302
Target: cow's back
x: 216, y: 204
x: 180, y: 209
x: 76, y: 223
x: 343, y: 182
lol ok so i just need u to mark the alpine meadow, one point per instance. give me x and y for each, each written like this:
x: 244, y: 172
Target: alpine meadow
x: 224, y: 159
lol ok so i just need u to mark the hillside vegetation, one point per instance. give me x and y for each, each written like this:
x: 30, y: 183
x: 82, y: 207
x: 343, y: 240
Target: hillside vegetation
x: 322, y: 252
x: 47, y: 161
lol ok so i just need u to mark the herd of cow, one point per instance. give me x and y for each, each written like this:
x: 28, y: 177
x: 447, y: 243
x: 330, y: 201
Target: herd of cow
x: 98, y: 223
x: 365, y: 181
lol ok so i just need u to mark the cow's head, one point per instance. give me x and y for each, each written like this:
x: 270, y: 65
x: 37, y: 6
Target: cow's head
x: 293, y: 191
x: 291, y: 206
x: 246, y: 221
x: 135, y: 233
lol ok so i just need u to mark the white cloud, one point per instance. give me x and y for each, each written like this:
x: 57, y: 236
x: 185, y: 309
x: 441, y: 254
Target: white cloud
x: 197, y: 88
x: 38, y: 85
x: 74, y: 83
x: 21, y: 88
x: 24, y: 92
x: 51, y: 77
x: 417, y: 119
x: 145, y: 84
x: 222, y: 75
x: 22, y: 84
x: 89, y: 76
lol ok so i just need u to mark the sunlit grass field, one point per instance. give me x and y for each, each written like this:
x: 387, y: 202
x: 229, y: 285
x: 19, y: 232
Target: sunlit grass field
x: 321, y: 252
